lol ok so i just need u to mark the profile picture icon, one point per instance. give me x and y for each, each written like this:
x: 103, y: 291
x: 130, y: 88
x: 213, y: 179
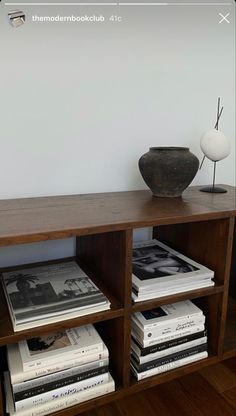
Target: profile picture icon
x: 16, y: 18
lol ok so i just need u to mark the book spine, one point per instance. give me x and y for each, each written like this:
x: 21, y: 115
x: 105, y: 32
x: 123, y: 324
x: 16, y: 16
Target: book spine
x: 51, y: 378
x: 61, y: 392
x: 146, y: 326
x: 169, y: 358
x: 169, y: 344
x: 67, y: 401
x: 158, y: 340
x: 175, y: 326
x: 170, y: 366
x: 58, y: 384
x: 24, y: 376
x: 172, y: 350
x: 72, y: 355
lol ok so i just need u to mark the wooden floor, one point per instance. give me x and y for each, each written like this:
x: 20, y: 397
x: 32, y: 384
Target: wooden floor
x: 209, y: 392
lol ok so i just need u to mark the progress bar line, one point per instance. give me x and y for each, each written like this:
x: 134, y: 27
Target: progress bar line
x: 60, y: 4
x: 116, y: 4
x: 175, y: 4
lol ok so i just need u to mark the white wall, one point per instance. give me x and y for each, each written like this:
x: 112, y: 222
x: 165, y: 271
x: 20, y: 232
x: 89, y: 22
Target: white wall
x: 80, y: 103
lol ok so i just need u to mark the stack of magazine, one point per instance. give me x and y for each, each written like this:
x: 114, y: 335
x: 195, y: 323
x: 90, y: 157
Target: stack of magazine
x: 55, y: 371
x: 160, y: 271
x: 167, y: 337
x: 50, y: 293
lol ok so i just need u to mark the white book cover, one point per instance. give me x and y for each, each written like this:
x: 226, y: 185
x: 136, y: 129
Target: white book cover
x: 163, y: 315
x: 176, y: 284
x: 59, y: 375
x: 167, y: 351
x: 18, y: 375
x: 57, y: 404
x: 170, y: 366
x: 155, y: 262
x: 168, y: 328
x: 171, y: 291
x: 61, y: 392
x: 44, y: 291
x: 164, y: 338
x: 61, y: 345
x: 61, y: 317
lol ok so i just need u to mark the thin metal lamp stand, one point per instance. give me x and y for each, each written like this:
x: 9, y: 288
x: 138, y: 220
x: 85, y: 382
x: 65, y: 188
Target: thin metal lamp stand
x: 214, y: 189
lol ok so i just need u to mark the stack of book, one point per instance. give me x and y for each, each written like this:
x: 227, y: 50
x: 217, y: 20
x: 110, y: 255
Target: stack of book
x: 167, y: 337
x: 50, y: 373
x: 50, y: 293
x: 160, y: 271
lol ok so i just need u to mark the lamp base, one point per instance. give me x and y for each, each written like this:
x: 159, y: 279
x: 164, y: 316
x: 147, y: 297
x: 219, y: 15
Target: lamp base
x: 213, y: 190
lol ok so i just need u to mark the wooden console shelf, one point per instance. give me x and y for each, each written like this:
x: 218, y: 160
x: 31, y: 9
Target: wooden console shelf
x: 200, y: 225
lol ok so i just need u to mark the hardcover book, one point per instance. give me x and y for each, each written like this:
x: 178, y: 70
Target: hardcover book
x: 157, y: 265
x: 59, y: 403
x: 62, y: 345
x: 60, y: 392
x: 164, y: 338
x: 18, y: 375
x: 61, y: 378
x: 163, y: 315
x: 167, y: 351
x: 170, y: 366
x: 168, y: 359
x: 142, y: 351
x: 37, y: 295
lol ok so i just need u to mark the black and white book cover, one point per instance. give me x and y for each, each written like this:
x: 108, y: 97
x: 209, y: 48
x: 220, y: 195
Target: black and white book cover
x: 168, y: 359
x: 62, y: 345
x: 33, y: 387
x: 169, y: 366
x: 156, y: 263
x: 49, y: 290
x: 66, y: 381
x: 143, y: 351
x: 18, y: 375
x: 59, y: 403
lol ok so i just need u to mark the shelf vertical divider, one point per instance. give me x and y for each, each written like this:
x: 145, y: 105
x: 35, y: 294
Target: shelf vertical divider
x: 208, y: 242
x: 108, y: 257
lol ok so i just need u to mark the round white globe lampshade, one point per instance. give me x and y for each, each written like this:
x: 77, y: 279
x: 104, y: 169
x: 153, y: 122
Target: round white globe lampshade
x: 215, y: 145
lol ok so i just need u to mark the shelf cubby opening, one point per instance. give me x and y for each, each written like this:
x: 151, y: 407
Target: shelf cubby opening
x: 8, y: 336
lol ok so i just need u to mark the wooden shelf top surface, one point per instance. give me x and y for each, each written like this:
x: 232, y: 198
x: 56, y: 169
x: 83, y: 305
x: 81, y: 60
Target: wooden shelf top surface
x: 39, y: 219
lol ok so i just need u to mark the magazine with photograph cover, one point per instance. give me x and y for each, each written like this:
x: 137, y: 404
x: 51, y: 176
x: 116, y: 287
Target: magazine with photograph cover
x: 153, y: 294
x: 61, y: 345
x: 19, y: 376
x: 39, y: 293
x: 155, y: 263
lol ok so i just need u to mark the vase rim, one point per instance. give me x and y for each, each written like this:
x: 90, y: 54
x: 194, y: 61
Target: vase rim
x: 168, y: 148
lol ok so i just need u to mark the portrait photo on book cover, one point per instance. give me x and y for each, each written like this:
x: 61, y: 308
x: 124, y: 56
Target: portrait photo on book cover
x: 50, y: 342
x: 153, y: 262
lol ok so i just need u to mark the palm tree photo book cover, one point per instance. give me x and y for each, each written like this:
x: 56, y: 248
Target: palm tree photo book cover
x: 37, y: 294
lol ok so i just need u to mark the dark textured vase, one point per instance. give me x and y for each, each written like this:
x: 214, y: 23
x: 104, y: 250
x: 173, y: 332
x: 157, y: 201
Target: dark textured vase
x: 168, y: 171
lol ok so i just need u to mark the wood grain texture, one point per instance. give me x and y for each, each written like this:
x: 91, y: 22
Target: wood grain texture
x: 38, y: 219
x: 200, y: 225
x: 203, y: 393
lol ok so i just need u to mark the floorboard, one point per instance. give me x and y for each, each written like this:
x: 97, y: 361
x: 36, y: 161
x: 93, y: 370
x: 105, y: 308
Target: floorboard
x: 211, y: 391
